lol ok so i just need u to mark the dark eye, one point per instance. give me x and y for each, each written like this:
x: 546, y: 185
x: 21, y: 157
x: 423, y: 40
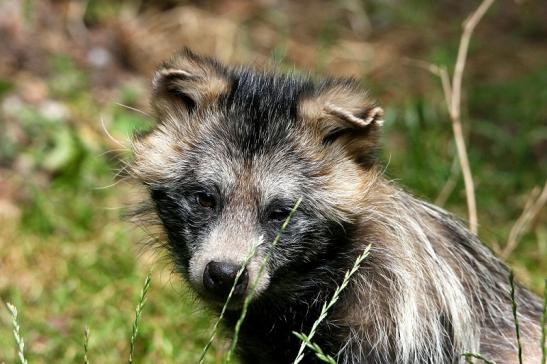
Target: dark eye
x: 279, y: 214
x: 205, y: 200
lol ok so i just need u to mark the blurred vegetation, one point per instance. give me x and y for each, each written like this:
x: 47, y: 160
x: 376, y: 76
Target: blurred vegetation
x: 68, y: 259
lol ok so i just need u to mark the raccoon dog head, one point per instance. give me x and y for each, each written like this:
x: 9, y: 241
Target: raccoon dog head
x: 232, y: 152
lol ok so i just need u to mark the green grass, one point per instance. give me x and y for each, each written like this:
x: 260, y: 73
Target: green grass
x: 86, y: 345
x: 19, y: 340
x: 470, y: 356
x: 252, y: 252
x: 138, y: 314
x: 254, y: 284
x: 307, y: 338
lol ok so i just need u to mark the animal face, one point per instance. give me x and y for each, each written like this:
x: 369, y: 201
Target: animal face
x: 232, y: 152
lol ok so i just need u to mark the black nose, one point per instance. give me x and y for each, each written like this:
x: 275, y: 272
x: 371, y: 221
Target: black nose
x: 219, y: 277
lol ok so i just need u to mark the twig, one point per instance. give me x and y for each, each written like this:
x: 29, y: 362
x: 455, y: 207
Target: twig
x: 450, y: 184
x: 468, y: 28
x: 452, y: 94
x: 533, y: 206
x: 439, y: 71
x: 447, y: 87
x: 455, y: 110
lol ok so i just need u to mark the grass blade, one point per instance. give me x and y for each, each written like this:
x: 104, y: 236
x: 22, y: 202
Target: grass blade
x: 17, y: 334
x: 515, y: 317
x: 250, y: 295
x: 469, y: 356
x: 225, y: 307
x: 334, y: 299
x: 86, y: 343
x: 316, y: 348
x: 138, y: 313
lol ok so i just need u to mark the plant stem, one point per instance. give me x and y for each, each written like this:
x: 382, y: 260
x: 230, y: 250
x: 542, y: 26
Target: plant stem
x: 250, y: 295
x: 334, y: 299
x: 138, y: 313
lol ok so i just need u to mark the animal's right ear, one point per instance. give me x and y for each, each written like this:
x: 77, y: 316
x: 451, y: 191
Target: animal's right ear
x: 187, y: 82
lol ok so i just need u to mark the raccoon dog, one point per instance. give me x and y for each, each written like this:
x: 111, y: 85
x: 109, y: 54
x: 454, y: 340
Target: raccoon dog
x: 235, y: 148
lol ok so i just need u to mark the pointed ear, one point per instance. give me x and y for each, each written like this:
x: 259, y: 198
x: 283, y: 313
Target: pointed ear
x: 187, y: 82
x: 343, y: 115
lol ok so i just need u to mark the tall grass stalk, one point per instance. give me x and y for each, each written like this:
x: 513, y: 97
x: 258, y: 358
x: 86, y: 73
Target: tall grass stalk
x: 250, y: 295
x: 86, y: 343
x: 17, y: 333
x: 316, y: 348
x: 515, y: 317
x: 327, y: 306
x: 225, y: 307
x: 543, y: 323
x: 138, y: 313
x: 470, y: 356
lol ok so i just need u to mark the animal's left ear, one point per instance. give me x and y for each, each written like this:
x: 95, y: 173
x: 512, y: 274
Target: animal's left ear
x: 342, y: 114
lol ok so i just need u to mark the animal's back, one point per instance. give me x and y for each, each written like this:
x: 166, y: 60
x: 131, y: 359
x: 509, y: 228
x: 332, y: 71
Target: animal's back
x: 447, y: 294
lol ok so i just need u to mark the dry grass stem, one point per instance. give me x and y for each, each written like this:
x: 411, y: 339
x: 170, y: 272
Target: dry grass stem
x: 468, y: 28
x: 450, y: 184
x: 533, y: 206
x: 455, y: 110
x: 436, y: 70
x: 452, y: 94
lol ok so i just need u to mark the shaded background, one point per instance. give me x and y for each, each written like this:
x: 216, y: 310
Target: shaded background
x: 67, y: 257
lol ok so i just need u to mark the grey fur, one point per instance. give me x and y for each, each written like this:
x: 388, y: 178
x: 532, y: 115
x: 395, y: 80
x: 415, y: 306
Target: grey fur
x: 255, y: 142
